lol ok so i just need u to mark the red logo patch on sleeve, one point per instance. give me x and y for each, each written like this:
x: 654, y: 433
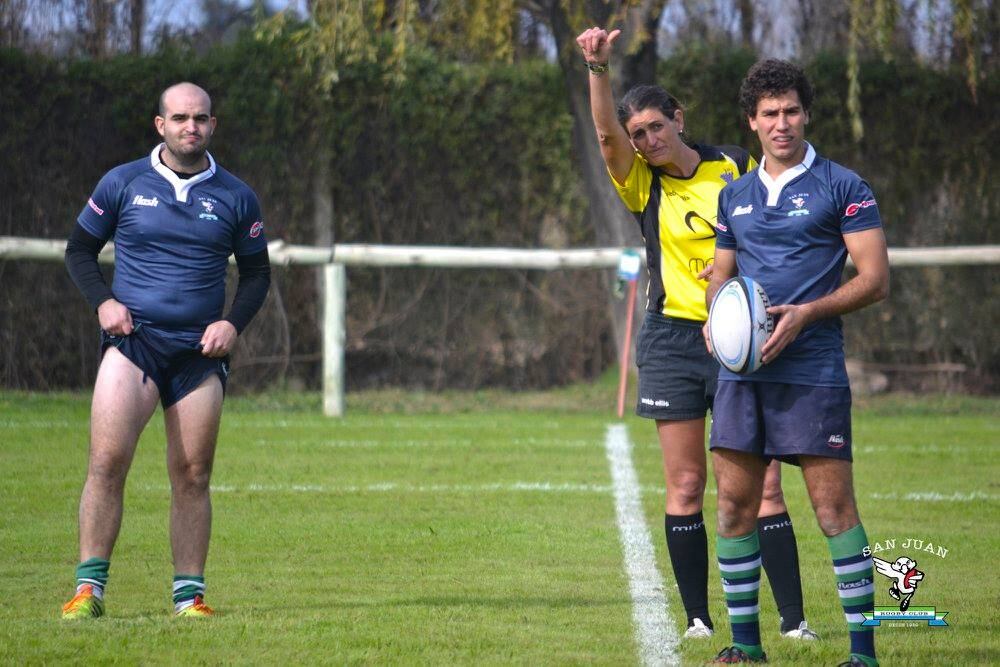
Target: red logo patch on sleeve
x: 256, y: 228
x: 852, y: 209
x: 97, y: 209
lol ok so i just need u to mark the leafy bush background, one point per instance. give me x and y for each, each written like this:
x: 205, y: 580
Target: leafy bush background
x: 469, y: 156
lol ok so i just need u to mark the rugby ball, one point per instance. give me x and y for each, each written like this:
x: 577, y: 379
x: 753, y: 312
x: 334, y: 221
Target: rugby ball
x: 739, y: 325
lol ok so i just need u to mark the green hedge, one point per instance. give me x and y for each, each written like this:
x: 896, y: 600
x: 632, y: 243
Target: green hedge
x: 467, y: 155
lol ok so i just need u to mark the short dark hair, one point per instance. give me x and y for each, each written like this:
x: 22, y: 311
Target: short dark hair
x: 770, y: 78
x: 644, y: 97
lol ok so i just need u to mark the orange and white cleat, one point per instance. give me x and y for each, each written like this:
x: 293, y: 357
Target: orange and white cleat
x: 197, y: 609
x: 85, y: 604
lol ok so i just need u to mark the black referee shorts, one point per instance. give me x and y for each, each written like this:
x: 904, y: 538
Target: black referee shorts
x: 677, y: 375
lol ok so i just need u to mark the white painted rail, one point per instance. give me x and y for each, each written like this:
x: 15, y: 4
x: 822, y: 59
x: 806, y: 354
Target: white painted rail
x: 334, y: 260
x: 363, y: 254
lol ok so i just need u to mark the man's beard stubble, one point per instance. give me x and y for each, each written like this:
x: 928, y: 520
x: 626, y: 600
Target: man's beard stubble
x: 189, y: 159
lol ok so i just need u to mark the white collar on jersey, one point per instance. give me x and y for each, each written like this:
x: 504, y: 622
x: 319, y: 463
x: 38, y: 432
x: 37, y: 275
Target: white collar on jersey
x: 775, y: 185
x: 182, y: 186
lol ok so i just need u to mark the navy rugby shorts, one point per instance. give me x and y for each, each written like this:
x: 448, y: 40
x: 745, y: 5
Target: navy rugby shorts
x: 781, y: 421
x: 171, y: 359
x: 677, y: 375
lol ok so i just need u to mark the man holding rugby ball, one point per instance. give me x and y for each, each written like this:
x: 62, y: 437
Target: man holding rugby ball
x: 790, y: 225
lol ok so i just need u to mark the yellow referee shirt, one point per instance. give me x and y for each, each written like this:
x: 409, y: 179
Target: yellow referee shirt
x: 678, y: 217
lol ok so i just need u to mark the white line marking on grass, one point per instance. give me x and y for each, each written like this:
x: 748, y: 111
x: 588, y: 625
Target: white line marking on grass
x: 437, y: 442
x: 935, y: 497
x: 34, y: 423
x: 654, y: 631
x: 531, y: 487
x: 385, y: 487
x: 361, y: 444
x: 921, y: 448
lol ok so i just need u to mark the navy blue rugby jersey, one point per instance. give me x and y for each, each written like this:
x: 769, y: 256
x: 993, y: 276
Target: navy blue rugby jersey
x: 173, y: 238
x: 788, y: 234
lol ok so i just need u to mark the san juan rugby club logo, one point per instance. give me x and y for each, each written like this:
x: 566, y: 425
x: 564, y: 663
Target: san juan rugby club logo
x: 799, y: 200
x: 208, y: 206
x: 900, y: 578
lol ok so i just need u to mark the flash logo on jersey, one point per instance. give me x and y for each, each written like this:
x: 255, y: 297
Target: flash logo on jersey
x: 139, y: 200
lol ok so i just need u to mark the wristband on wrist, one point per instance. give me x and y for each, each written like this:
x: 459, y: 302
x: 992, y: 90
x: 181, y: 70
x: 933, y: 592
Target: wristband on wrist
x: 596, y: 69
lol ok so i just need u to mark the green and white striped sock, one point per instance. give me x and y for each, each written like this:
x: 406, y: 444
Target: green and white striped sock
x: 739, y: 564
x: 93, y: 572
x: 856, y: 587
x: 186, y: 588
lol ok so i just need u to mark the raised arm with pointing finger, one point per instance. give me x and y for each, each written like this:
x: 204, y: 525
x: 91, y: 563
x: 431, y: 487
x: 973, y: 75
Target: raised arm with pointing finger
x: 616, y: 148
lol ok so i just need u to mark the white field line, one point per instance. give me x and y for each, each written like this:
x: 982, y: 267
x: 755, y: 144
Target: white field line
x: 556, y: 442
x: 388, y: 487
x: 655, y: 632
x: 534, y: 487
x: 922, y: 449
x: 37, y: 423
x: 561, y: 443
x: 935, y: 497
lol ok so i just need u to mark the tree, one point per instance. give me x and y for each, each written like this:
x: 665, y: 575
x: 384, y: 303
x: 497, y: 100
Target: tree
x: 635, y: 63
x: 13, y: 28
x: 348, y: 31
x: 136, y: 24
x: 747, y: 23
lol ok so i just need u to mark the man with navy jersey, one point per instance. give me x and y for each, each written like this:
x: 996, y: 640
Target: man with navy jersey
x: 175, y: 217
x: 790, y: 225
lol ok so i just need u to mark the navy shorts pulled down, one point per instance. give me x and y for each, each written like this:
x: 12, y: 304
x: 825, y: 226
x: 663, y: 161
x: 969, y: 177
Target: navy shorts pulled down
x: 677, y: 375
x: 782, y: 421
x: 172, y: 360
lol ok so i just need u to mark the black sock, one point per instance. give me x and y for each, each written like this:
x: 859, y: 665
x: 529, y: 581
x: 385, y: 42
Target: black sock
x: 779, y: 555
x: 688, y: 547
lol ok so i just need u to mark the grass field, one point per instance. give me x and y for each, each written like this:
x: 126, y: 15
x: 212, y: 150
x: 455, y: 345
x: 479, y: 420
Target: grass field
x: 462, y: 529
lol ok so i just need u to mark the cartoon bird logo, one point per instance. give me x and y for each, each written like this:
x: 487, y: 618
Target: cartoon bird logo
x: 905, y: 577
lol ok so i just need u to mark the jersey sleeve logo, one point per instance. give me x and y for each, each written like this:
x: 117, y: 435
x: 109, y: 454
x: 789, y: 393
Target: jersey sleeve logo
x: 97, y: 209
x: 852, y: 209
x: 256, y: 229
